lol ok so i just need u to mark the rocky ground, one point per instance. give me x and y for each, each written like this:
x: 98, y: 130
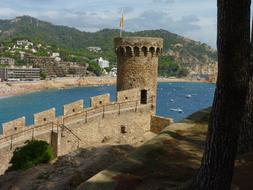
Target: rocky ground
x: 67, y: 172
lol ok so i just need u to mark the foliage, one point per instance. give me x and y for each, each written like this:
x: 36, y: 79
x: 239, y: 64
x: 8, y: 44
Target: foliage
x: 95, y: 68
x: 43, y: 75
x: 72, y: 44
x: 32, y: 154
x: 169, y: 67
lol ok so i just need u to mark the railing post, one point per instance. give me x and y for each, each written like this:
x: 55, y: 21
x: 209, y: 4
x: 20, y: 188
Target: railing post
x: 103, y: 111
x: 52, y: 123
x: 136, y: 105
x: 32, y: 134
x: 86, y: 120
x: 11, y: 143
x: 119, y: 108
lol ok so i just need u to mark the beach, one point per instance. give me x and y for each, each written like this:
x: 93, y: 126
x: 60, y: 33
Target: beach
x: 18, y: 88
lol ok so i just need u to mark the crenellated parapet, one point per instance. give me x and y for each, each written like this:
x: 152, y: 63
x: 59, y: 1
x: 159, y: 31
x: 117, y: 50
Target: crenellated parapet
x: 138, y: 47
x: 45, y: 119
x: 137, y: 64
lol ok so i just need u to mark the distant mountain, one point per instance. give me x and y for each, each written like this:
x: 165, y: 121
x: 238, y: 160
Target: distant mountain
x: 197, y: 57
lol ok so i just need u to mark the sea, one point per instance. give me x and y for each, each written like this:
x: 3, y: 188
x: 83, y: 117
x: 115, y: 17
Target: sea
x: 176, y: 100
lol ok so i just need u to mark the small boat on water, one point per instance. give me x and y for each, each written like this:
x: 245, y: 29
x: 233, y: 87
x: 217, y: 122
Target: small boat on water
x: 171, y: 100
x: 188, y: 96
x: 176, y: 110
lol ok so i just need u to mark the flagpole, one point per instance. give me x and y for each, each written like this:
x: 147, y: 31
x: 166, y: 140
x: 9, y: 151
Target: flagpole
x: 121, y: 23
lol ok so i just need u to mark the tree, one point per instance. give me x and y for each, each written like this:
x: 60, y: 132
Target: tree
x: 33, y: 153
x: 216, y: 170
x: 245, y: 143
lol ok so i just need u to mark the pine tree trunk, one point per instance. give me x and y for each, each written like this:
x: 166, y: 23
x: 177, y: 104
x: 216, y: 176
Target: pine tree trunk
x: 245, y: 143
x: 233, y: 42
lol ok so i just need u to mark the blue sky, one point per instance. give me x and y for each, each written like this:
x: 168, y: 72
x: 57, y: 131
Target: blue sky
x: 195, y: 19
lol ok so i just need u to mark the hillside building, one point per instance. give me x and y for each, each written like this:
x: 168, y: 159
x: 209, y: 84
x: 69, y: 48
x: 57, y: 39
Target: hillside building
x: 19, y: 74
x: 103, y: 63
x: 7, y: 61
x: 24, y: 43
x: 94, y: 49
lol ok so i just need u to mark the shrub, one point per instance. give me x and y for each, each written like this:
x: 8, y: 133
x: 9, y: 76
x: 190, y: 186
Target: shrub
x: 43, y: 75
x: 32, y: 154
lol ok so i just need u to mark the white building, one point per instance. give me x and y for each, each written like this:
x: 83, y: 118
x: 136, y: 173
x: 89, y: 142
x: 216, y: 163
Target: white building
x: 58, y: 59
x: 103, y: 63
x: 113, y: 72
x: 94, y: 49
x: 7, y: 61
x: 54, y: 55
x: 24, y: 43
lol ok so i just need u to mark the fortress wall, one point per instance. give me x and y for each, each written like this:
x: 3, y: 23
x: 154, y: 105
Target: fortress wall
x: 104, y: 122
x: 128, y: 95
x: 159, y: 123
x: 14, y: 126
x: 127, y: 128
x: 73, y: 107
x: 44, y: 117
x: 101, y: 100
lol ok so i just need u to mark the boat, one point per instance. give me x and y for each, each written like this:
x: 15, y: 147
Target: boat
x: 188, y: 96
x: 176, y: 110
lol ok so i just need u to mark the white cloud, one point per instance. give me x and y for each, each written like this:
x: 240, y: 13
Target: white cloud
x: 195, y: 18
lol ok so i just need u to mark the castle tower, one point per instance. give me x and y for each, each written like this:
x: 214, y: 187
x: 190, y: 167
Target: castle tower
x: 137, y: 59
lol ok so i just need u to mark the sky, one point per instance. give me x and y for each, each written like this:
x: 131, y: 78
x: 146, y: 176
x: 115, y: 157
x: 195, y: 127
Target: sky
x: 195, y: 19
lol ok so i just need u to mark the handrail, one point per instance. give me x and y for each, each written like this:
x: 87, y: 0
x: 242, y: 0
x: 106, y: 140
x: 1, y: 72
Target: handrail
x: 30, y: 129
x: 64, y: 127
x: 72, y: 115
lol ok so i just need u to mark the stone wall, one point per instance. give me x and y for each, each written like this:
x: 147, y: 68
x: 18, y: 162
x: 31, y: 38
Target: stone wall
x: 124, y: 121
x: 73, y: 107
x: 101, y: 100
x: 44, y: 117
x: 128, y: 127
x: 159, y: 123
x: 15, y: 126
x: 137, y: 67
x: 128, y: 95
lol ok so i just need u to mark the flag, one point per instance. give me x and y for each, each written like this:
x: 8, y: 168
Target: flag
x: 122, y: 22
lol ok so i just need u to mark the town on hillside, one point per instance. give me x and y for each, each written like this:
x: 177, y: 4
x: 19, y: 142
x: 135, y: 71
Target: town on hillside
x: 23, y: 60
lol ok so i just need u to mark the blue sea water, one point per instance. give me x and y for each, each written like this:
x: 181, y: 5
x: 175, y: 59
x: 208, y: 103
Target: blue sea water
x: 189, y: 97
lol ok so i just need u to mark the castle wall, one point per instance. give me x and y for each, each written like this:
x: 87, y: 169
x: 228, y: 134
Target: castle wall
x: 124, y: 121
x: 101, y: 100
x: 159, y: 123
x: 107, y: 130
x: 128, y: 95
x: 15, y: 126
x: 73, y: 107
x: 44, y: 117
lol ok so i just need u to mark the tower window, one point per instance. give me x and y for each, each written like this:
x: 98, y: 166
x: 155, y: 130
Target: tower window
x: 144, y: 50
x: 144, y: 96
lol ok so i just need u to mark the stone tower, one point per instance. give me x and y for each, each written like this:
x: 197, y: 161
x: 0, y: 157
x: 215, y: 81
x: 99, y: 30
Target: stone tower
x: 137, y: 59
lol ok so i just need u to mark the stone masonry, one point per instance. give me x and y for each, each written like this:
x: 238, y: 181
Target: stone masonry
x: 125, y: 121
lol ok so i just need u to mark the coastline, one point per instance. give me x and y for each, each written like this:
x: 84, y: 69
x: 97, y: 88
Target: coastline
x: 8, y: 89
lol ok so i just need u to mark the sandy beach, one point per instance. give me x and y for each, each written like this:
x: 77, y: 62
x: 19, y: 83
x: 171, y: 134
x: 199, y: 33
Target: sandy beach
x: 17, y: 88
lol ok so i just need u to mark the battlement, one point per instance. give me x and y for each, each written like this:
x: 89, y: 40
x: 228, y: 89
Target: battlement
x: 138, y: 46
x: 46, y: 118
x: 123, y: 121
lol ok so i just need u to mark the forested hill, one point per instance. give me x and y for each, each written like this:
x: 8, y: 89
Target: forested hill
x: 185, y: 52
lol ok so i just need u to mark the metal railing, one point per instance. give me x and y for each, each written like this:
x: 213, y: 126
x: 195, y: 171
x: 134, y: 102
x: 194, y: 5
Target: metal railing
x: 87, y: 113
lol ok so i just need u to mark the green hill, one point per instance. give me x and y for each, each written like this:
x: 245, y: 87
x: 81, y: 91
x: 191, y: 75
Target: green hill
x: 179, y: 52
